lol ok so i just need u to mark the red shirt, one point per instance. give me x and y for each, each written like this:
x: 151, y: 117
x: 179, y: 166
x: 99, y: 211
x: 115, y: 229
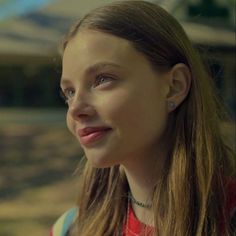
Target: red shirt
x: 230, y: 209
x: 135, y: 227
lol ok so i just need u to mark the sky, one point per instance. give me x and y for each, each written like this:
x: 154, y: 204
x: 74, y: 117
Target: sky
x: 10, y: 8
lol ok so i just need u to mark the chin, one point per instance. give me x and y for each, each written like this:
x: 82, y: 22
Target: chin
x: 100, y: 162
x: 100, y: 165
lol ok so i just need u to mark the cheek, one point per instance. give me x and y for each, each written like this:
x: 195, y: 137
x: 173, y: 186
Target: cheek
x: 133, y: 113
x: 70, y: 123
x: 116, y: 107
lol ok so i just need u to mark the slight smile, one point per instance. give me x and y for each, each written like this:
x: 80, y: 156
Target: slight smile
x: 90, y: 135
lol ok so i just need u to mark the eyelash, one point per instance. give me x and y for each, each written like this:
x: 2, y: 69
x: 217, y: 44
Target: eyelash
x: 102, y: 76
x: 65, y: 93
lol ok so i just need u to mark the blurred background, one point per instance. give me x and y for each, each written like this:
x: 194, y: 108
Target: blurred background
x: 37, y: 154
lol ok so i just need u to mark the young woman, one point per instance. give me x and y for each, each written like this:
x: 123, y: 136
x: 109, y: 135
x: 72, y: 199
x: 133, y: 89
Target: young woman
x: 145, y: 112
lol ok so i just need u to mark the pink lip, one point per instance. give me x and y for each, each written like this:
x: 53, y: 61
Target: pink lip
x: 89, y: 135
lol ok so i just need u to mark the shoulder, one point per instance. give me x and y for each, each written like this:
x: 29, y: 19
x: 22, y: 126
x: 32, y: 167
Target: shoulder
x: 62, y: 225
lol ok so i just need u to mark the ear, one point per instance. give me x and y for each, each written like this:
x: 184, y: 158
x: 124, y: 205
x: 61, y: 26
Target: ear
x: 179, y: 84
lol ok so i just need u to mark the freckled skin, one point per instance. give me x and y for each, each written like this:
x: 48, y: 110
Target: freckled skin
x: 134, y: 105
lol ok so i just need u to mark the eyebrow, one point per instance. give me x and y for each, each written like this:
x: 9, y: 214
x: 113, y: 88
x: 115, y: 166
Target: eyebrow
x: 93, y: 69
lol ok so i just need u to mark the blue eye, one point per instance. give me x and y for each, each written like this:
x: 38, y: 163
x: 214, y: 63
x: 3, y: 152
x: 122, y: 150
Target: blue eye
x: 67, y: 94
x: 101, y: 79
x: 70, y: 93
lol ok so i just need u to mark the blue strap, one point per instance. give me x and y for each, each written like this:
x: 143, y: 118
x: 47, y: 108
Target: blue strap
x: 69, y: 218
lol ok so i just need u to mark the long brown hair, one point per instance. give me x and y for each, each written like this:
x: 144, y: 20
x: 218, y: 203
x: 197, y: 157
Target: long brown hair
x: 189, y: 199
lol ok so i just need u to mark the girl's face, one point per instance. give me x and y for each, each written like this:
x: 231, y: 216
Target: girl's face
x: 111, y: 86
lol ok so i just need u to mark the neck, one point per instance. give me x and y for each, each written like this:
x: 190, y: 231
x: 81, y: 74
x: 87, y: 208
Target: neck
x: 141, y: 182
x: 143, y: 173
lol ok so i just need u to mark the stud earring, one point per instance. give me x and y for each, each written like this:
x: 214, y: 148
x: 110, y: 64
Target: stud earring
x: 171, y: 105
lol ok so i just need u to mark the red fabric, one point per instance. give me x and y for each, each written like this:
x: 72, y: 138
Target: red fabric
x: 135, y: 226
x: 231, y: 197
x: 230, y: 208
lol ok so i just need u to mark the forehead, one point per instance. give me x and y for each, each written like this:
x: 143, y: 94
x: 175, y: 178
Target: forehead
x: 96, y: 42
x: 90, y: 47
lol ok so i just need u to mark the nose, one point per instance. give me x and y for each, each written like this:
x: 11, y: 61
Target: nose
x: 80, y: 108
